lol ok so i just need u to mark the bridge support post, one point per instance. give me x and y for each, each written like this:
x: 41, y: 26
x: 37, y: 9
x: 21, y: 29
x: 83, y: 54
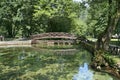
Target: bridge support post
x: 63, y: 43
x: 69, y: 43
x: 58, y: 43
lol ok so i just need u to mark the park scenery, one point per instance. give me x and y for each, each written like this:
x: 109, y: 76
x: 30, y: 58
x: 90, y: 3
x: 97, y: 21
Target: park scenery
x: 60, y: 40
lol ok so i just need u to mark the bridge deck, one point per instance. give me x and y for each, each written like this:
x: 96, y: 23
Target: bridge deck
x: 54, y: 35
x: 56, y: 41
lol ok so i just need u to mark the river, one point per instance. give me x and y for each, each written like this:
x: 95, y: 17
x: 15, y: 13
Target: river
x: 27, y: 63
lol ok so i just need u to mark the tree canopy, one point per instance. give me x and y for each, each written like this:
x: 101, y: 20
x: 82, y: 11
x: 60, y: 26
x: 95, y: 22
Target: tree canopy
x: 23, y: 18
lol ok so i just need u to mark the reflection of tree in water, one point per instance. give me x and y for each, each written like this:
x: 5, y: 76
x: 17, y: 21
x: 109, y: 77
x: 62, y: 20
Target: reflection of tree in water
x: 30, y: 64
x: 61, y: 64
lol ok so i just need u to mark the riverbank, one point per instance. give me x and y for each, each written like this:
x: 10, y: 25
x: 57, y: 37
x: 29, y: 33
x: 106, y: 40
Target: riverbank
x: 102, y: 62
x: 110, y: 70
x: 26, y: 43
x: 105, y: 62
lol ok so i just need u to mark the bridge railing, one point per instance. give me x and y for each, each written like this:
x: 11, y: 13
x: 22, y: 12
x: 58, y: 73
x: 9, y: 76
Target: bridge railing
x: 114, y: 49
x: 53, y: 35
x: 54, y: 38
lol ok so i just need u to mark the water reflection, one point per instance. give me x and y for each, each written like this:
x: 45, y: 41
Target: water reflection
x: 84, y: 73
x: 32, y: 64
x: 21, y: 56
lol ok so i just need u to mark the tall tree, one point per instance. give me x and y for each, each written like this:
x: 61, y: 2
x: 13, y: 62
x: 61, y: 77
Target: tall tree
x: 9, y: 17
x: 97, y: 17
x: 17, y: 17
x: 113, y: 17
x: 55, y: 15
x: 27, y: 22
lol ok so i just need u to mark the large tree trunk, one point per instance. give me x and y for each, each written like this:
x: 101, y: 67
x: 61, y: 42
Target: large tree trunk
x: 99, y: 61
x: 104, y: 38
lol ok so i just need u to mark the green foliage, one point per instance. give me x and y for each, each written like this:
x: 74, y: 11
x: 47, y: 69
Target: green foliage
x: 59, y: 24
x: 55, y: 16
x: 15, y: 16
x: 97, y: 17
x: 80, y: 27
x: 25, y: 17
x: 8, y: 11
x: 110, y: 59
x: 117, y: 27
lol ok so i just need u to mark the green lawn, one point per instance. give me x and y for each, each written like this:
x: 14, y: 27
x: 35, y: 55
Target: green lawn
x: 113, y: 59
x: 113, y: 41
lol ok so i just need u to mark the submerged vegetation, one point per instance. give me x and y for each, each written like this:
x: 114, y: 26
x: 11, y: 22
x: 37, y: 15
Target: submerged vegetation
x: 27, y: 63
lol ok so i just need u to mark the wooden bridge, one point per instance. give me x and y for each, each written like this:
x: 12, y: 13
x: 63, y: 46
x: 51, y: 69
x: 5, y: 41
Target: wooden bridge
x: 53, y: 38
x: 114, y: 49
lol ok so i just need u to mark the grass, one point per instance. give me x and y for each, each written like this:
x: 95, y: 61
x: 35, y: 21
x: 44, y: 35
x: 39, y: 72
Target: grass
x: 113, y: 59
x: 113, y: 41
x: 92, y: 39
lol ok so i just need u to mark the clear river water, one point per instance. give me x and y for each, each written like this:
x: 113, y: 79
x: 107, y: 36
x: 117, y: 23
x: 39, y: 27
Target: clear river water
x: 27, y: 63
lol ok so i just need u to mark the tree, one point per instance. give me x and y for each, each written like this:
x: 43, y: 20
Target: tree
x: 102, y: 20
x: 17, y: 17
x: 59, y: 24
x: 56, y: 15
x: 97, y: 17
x: 26, y: 17
x: 27, y: 23
x: 9, y: 17
x: 113, y: 17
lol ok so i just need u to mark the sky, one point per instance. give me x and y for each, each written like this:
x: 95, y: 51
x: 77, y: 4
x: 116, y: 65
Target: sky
x: 78, y: 0
x: 81, y: 2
